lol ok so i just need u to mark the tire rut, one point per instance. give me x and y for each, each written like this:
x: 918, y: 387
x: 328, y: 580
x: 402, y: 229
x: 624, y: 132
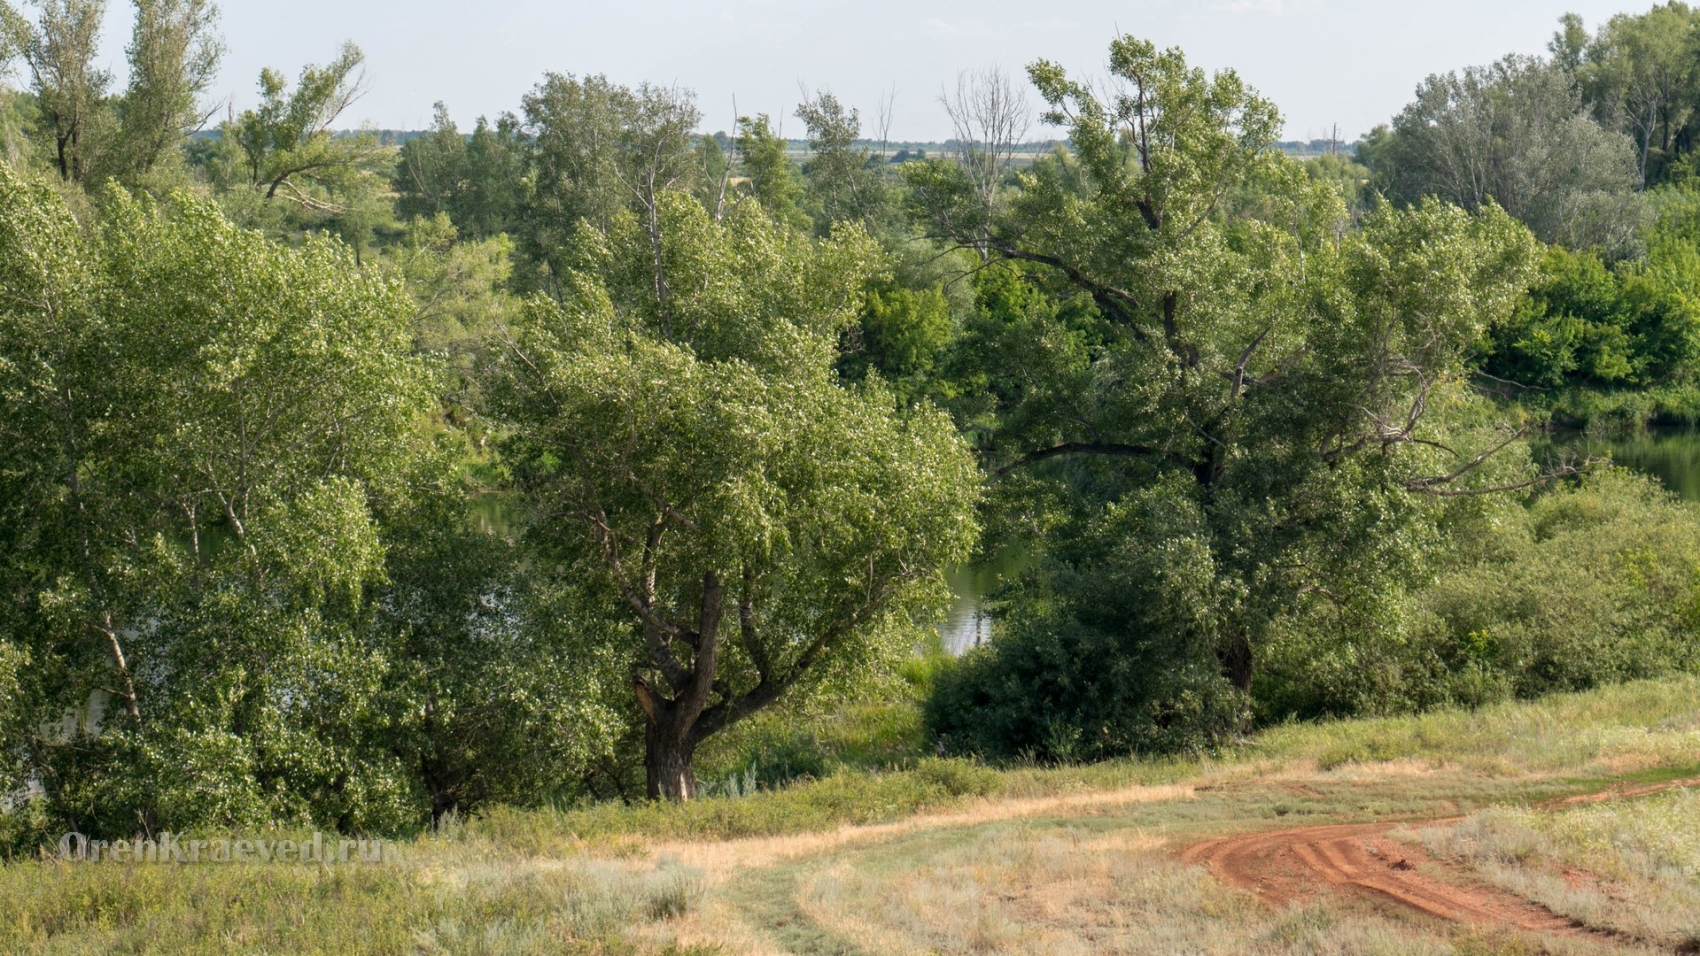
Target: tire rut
x: 1295, y: 864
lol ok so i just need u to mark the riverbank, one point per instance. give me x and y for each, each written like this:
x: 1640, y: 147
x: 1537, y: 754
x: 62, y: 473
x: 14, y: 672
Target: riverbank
x: 1606, y: 411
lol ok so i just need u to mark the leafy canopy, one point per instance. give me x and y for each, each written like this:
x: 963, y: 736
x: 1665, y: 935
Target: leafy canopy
x: 693, y: 457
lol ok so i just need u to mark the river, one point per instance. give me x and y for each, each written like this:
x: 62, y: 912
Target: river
x: 1670, y: 455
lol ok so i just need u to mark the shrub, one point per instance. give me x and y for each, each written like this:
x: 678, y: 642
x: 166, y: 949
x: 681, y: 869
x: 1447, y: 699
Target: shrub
x: 1590, y: 584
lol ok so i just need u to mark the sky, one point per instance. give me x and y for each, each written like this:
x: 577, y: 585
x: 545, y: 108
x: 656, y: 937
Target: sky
x: 1324, y: 62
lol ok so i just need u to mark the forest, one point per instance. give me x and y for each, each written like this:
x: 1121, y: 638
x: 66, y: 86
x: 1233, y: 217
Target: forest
x: 366, y: 483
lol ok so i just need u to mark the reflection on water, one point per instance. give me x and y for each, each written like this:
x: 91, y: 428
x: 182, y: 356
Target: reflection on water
x: 1670, y: 455
x: 496, y: 514
x: 968, y: 625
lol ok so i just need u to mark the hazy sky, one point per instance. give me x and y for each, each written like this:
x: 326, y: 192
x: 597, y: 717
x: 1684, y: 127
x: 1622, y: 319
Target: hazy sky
x: 1351, y: 62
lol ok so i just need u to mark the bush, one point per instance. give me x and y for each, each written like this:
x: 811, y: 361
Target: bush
x: 1591, y: 584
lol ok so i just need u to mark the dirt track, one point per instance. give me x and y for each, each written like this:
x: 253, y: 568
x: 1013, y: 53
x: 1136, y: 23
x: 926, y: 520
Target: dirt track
x: 1288, y: 865
x: 1297, y: 864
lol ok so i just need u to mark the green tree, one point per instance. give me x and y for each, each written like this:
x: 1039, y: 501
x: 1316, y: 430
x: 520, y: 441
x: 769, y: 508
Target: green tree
x: 477, y: 179
x: 192, y: 517
x: 1250, y: 409
x: 1639, y: 73
x: 288, y: 145
x: 174, y: 55
x: 902, y: 334
x: 70, y: 90
x: 1589, y: 323
x: 763, y: 529
x: 770, y: 176
x: 844, y: 181
x: 1517, y: 133
x: 430, y: 169
x: 597, y: 149
x: 494, y: 179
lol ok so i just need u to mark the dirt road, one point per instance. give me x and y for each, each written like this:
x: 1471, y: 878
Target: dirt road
x: 1297, y: 864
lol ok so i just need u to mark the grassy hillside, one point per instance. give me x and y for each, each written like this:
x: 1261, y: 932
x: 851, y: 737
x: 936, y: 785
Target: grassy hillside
x: 948, y: 856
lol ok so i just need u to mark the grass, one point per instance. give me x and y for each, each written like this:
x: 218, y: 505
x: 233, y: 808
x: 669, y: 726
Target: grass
x: 443, y: 902
x: 1639, y: 725
x: 1510, y: 740
x: 930, y: 855
x: 1027, y: 890
x: 1629, y: 867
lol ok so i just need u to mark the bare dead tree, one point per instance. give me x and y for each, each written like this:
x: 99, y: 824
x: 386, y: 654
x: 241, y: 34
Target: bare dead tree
x: 990, y: 116
x: 885, y: 113
x: 730, y: 160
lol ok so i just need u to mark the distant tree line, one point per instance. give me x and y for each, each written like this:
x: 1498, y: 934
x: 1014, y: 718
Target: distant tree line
x: 1593, y: 146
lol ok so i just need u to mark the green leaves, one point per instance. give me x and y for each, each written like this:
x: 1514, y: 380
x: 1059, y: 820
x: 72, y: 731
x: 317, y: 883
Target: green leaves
x: 1517, y: 133
x: 683, y: 442
x: 288, y: 141
x: 200, y: 426
x: 1212, y: 400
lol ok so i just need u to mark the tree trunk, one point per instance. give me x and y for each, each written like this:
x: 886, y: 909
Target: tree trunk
x: 670, y: 735
x: 668, y: 752
x: 1237, y: 662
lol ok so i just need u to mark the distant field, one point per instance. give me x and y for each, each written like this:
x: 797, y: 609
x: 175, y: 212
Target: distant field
x: 950, y: 857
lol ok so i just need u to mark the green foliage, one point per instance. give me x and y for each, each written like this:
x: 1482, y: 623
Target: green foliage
x: 1574, y: 325
x: 679, y: 423
x: 1585, y: 586
x: 84, y: 133
x: 1585, y: 323
x: 174, y: 55
x: 1517, y: 133
x: 1200, y: 417
x: 902, y: 334
x: 475, y: 180
x: 70, y: 90
x: 846, y: 183
x: 597, y: 149
x: 770, y: 178
x: 1351, y: 178
x: 1221, y: 397
x: 192, y: 545
x: 1638, y: 74
x: 239, y: 588
x: 515, y: 697
x: 430, y: 168
x: 287, y: 143
x: 1103, y: 656
x: 792, y: 743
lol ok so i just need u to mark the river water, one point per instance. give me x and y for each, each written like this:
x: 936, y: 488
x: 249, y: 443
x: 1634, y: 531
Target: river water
x: 968, y: 625
x: 1670, y: 455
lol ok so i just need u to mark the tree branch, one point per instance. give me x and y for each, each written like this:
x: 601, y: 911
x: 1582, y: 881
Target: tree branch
x: 1085, y: 448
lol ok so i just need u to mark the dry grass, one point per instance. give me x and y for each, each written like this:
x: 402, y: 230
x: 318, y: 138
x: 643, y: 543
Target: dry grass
x: 949, y: 857
x: 443, y: 898
x: 723, y: 856
x: 1016, y: 890
x: 1630, y: 866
